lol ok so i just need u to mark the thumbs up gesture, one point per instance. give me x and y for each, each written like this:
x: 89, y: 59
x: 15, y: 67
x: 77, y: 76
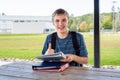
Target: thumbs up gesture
x: 49, y: 50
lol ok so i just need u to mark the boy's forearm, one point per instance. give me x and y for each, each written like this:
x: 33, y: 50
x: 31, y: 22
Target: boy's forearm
x: 81, y: 60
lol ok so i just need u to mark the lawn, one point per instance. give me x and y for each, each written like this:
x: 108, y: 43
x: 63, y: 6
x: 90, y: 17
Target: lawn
x: 27, y: 46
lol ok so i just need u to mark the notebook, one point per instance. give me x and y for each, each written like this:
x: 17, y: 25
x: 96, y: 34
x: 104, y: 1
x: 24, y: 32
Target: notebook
x: 56, y: 57
x: 50, y: 66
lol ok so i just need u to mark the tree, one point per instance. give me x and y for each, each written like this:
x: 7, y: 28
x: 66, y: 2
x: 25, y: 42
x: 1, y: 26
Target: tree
x: 73, y: 27
x: 107, y: 22
x: 70, y: 23
x: 83, y: 26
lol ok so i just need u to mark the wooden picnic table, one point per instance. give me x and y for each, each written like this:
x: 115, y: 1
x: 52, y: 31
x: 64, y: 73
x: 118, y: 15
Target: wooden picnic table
x: 23, y: 71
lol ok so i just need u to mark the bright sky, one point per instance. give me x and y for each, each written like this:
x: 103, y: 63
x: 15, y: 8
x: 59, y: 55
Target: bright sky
x: 47, y: 7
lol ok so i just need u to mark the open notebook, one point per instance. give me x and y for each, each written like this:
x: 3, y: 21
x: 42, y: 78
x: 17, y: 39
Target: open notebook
x: 52, y: 57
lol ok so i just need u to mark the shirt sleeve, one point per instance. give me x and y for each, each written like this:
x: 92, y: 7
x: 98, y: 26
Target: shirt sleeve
x: 82, y: 45
x: 47, y: 41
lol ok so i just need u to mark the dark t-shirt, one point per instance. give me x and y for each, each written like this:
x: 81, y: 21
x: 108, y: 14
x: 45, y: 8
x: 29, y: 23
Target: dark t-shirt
x: 66, y: 46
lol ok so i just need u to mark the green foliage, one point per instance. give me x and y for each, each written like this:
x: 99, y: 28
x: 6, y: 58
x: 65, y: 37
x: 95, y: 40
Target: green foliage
x: 70, y: 22
x: 105, y: 22
x: 73, y: 27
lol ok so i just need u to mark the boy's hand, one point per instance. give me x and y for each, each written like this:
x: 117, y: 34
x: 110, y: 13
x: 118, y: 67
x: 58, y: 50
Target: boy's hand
x: 49, y: 50
x: 69, y: 58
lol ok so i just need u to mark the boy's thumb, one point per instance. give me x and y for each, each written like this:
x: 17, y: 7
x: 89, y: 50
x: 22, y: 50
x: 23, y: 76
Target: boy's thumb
x: 50, y: 47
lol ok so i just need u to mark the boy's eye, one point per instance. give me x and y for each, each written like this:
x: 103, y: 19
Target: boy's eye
x: 57, y: 21
x: 64, y: 20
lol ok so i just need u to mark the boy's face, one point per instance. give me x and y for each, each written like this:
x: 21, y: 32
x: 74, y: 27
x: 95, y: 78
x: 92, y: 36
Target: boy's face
x: 60, y: 21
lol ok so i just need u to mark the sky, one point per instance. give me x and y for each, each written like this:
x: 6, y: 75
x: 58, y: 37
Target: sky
x: 47, y: 7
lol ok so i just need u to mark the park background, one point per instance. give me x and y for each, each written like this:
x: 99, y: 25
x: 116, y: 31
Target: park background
x: 28, y: 46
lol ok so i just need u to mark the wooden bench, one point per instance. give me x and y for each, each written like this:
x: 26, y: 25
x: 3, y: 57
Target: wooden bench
x: 23, y: 71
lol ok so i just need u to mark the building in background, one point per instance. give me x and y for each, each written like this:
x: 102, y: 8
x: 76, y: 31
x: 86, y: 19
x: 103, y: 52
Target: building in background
x: 25, y: 24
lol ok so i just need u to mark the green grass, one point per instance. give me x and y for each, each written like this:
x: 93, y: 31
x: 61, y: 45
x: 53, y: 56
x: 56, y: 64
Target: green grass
x: 27, y: 46
x: 23, y: 46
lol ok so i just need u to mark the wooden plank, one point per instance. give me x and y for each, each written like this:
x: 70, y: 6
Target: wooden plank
x: 28, y: 65
x: 18, y: 74
x: 11, y: 78
x: 94, y: 72
x: 21, y: 64
x: 23, y: 71
x: 81, y: 74
x: 55, y: 76
x: 68, y: 74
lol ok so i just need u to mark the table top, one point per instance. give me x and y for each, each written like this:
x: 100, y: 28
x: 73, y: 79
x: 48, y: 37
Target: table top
x: 23, y: 71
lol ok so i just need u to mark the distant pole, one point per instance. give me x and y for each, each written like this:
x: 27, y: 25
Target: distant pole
x: 96, y: 35
x: 113, y: 17
x: 118, y: 20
